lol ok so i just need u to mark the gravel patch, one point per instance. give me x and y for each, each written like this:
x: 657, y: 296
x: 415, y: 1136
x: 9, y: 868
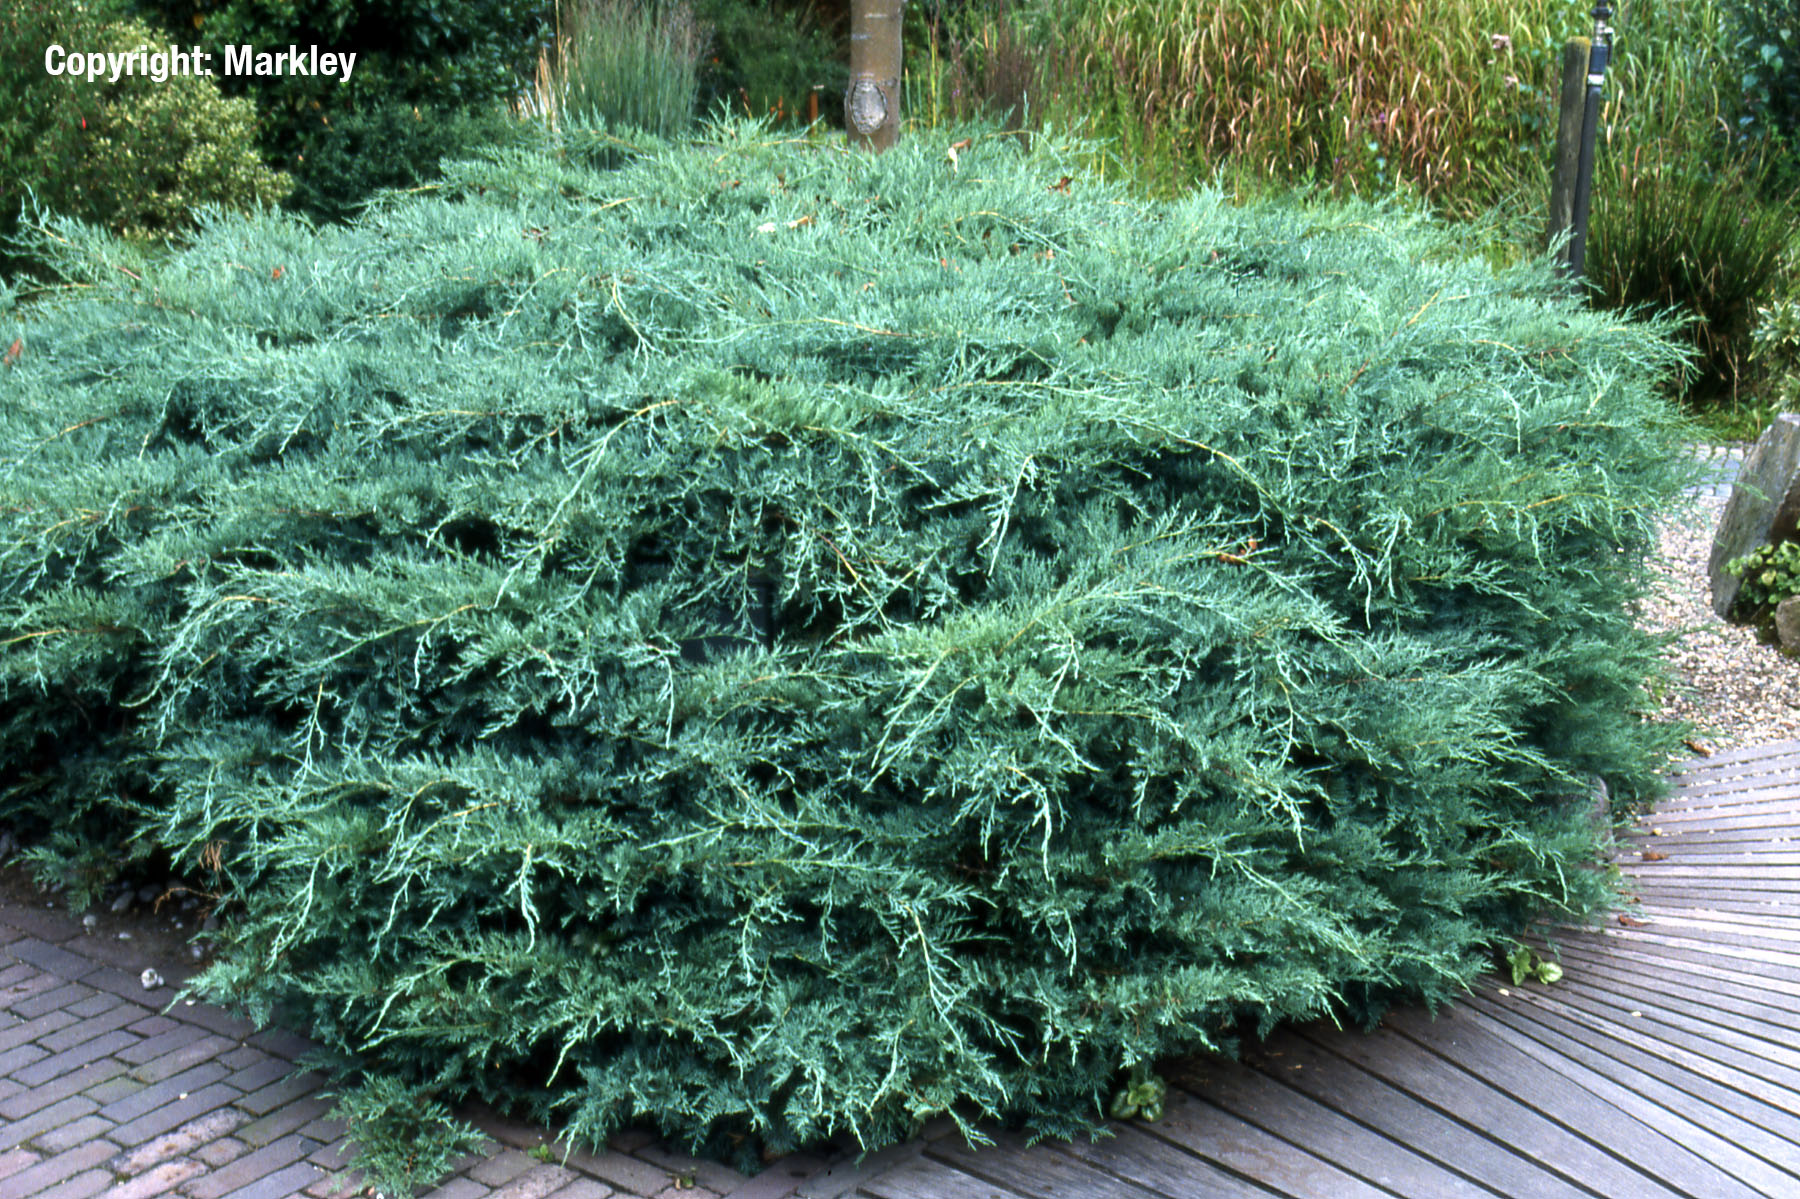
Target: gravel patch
x: 1735, y: 689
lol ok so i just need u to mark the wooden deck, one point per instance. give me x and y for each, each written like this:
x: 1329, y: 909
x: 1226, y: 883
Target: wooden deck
x: 1665, y: 1063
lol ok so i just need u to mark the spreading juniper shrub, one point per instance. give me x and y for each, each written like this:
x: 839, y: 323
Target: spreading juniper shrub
x: 766, y: 642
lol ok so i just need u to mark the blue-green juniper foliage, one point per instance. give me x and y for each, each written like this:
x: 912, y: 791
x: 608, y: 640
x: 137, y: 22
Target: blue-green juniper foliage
x: 769, y: 642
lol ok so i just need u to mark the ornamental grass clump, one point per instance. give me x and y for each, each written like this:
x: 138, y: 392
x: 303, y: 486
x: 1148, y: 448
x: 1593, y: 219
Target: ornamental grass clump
x: 768, y: 642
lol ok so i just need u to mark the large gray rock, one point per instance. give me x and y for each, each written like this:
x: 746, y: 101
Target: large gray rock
x: 1764, y: 507
x: 1787, y: 623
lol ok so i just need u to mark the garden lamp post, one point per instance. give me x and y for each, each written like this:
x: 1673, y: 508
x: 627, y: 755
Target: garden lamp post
x: 1598, y: 52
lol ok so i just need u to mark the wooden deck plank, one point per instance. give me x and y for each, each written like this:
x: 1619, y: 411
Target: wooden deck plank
x: 1730, y: 802
x: 1330, y: 1080
x: 1678, y: 867
x: 1721, y: 759
x: 1676, y: 949
x: 1766, y: 778
x: 1777, y: 821
x: 1050, y: 1172
x: 1755, y: 759
x: 1763, y: 1007
x: 920, y: 1179
x: 1710, y: 879
x: 1582, y: 1100
x: 1693, y: 1028
x: 1657, y: 958
x: 1748, y: 794
x: 1747, y: 1151
x: 1749, y: 915
x: 1470, y: 1096
x: 1668, y: 890
x: 1750, y: 852
x: 1679, y: 838
x: 1723, y: 1107
x: 1150, y: 1157
x: 1777, y: 940
x: 1752, y: 960
x: 1724, y: 763
x: 1191, y: 1130
x: 1293, y: 1116
x: 1650, y: 1036
x: 1724, y: 899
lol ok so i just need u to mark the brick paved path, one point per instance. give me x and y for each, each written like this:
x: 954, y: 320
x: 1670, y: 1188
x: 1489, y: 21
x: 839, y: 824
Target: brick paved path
x: 103, y: 1093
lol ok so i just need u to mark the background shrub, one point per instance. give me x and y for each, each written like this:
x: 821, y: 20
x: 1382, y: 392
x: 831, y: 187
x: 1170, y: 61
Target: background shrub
x: 395, y: 146
x: 442, y: 57
x: 134, y: 155
x: 1775, y: 352
x: 766, y: 56
x: 1450, y: 100
x: 1697, y: 240
x: 769, y: 642
x: 628, y: 62
x: 1453, y: 100
x: 1766, y: 39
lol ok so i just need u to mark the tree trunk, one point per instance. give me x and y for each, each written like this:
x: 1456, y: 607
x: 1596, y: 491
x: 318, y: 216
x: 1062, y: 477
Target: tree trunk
x: 872, y: 101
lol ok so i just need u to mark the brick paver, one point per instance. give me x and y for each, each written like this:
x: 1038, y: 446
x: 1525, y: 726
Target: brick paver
x: 232, y: 1179
x: 84, y: 1081
x: 68, y: 1136
x: 52, y: 1170
x: 108, y: 1089
x: 113, y: 1013
x: 146, y: 1098
x: 460, y: 1188
x: 20, y: 1132
x: 18, y: 1031
x: 82, y: 1186
x: 167, y: 1116
x: 583, y: 1188
x: 193, y: 1137
x: 59, y: 1064
x: 14, y: 1160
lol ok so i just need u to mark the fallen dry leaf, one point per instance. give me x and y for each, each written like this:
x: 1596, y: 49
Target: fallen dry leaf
x: 13, y: 351
x: 1699, y: 747
x: 1632, y: 922
x: 1653, y: 855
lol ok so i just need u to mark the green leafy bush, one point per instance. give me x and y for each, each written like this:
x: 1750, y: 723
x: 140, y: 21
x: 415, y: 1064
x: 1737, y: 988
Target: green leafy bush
x: 442, y: 57
x: 767, y: 642
x: 767, y: 55
x: 395, y: 146
x: 1767, y: 42
x: 134, y: 155
x: 1771, y: 573
x: 1775, y: 353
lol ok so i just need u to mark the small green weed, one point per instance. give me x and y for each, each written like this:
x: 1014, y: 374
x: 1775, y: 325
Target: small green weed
x: 1141, y: 1098
x: 1527, y: 965
x: 1771, y: 573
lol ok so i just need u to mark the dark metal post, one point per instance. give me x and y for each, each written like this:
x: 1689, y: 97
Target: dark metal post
x: 1598, y: 53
